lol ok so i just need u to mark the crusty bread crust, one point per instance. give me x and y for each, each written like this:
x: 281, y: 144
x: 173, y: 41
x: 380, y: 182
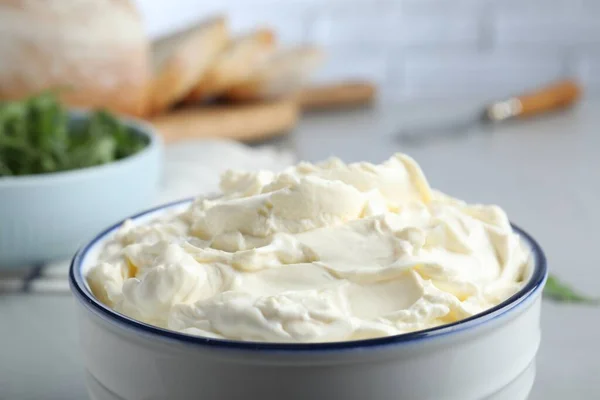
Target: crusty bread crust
x: 96, y: 50
x: 182, y: 60
x: 282, y: 74
x: 234, y: 65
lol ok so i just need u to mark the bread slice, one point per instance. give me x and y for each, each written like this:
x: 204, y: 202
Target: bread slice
x: 180, y: 61
x: 235, y: 65
x: 94, y: 52
x: 282, y: 74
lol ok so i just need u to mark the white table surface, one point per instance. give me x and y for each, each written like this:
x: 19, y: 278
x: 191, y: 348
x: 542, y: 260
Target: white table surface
x: 545, y: 173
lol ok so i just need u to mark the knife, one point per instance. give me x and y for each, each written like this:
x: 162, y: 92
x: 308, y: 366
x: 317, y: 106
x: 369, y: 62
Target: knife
x: 555, y: 96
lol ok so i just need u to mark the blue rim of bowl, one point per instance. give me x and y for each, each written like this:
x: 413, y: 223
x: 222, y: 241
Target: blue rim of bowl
x: 138, y: 126
x: 78, y: 287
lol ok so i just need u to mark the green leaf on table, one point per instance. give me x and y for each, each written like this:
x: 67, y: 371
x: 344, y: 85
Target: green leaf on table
x: 560, y: 292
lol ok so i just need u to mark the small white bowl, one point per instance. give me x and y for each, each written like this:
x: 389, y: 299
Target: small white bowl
x: 488, y: 356
x: 48, y: 216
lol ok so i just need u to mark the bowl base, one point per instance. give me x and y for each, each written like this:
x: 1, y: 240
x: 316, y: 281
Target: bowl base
x: 98, y: 391
x: 518, y: 389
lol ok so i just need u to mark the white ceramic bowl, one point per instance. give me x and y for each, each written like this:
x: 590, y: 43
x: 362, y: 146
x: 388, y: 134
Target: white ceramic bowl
x: 488, y: 356
x: 48, y: 216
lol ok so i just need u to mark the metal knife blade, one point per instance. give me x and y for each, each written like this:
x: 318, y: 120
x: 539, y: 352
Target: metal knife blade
x: 456, y: 127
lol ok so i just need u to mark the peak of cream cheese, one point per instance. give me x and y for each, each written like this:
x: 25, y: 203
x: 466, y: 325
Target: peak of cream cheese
x: 317, y: 253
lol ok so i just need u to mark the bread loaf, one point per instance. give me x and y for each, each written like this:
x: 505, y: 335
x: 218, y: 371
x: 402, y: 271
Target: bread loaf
x: 96, y: 50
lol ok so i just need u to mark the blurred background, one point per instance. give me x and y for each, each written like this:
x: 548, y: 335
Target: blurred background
x: 422, y: 48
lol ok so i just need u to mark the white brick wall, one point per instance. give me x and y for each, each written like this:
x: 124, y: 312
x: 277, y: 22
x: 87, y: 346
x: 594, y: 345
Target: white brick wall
x: 422, y: 48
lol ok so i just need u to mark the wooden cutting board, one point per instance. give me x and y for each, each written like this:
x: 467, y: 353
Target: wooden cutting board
x: 258, y: 121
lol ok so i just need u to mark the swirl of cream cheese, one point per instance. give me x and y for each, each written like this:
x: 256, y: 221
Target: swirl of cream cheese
x: 317, y: 253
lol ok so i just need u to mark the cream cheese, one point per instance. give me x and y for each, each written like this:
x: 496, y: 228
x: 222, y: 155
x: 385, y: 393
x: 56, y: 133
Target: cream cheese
x: 316, y: 253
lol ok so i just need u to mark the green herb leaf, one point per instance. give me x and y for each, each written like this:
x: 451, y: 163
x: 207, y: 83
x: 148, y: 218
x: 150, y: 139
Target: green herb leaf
x: 560, y: 292
x: 36, y: 137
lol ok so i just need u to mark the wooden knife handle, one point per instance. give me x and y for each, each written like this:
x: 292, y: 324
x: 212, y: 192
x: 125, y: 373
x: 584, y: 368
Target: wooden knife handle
x: 558, y: 95
x: 555, y: 96
x: 340, y: 95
